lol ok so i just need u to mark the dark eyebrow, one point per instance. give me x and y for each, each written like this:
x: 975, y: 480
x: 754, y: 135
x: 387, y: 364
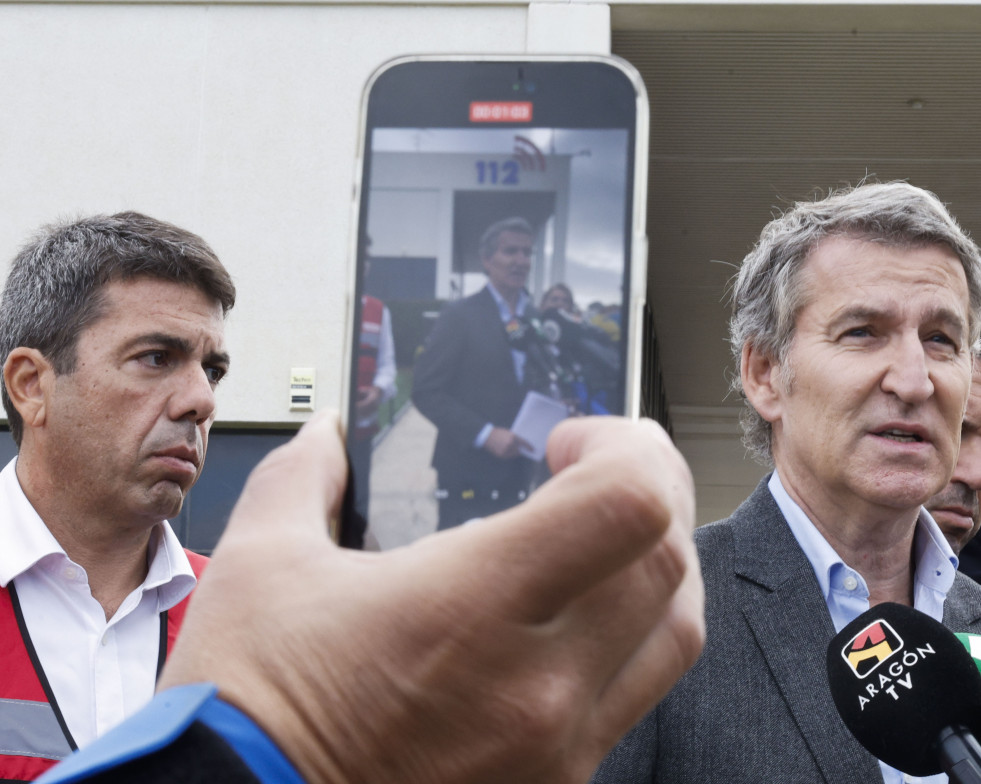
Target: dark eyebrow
x: 220, y: 358
x: 179, y: 345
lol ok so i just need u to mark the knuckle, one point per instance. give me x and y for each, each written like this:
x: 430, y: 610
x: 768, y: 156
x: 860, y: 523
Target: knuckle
x: 691, y: 638
x: 543, y: 713
x: 687, y: 621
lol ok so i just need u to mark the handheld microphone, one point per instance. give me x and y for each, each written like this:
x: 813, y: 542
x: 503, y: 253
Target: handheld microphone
x: 909, y: 692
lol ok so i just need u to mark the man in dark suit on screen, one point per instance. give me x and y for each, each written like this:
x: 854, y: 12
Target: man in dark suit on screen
x: 470, y: 382
x: 852, y: 325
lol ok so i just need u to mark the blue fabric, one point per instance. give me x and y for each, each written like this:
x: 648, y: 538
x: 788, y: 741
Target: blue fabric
x: 255, y: 748
x: 162, y: 722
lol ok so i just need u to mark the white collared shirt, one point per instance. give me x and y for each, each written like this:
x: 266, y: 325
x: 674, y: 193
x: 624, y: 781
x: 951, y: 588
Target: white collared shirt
x: 100, y: 671
x: 846, y: 592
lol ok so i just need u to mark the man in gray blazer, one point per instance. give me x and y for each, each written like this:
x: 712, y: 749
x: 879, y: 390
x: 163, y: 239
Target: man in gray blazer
x: 852, y: 325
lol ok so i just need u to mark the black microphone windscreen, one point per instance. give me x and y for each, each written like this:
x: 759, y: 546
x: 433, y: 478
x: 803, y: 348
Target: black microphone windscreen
x: 898, y: 678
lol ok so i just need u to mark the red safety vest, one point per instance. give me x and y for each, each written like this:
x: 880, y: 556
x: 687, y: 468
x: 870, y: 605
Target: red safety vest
x: 372, y: 310
x: 371, y: 322
x: 33, y: 733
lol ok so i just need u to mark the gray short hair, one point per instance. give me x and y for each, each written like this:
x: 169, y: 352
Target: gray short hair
x: 767, y: 293
x: 488, y: 240
x: 55, y: 287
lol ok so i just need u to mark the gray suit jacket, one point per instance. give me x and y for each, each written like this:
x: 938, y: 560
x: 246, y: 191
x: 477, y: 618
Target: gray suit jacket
x: 756, y: 707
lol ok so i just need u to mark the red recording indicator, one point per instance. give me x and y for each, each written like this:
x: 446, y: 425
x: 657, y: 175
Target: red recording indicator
x: 500, y: 111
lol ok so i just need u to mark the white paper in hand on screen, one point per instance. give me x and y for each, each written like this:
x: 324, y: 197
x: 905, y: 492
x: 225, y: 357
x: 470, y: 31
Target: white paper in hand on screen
x: 535, y: 420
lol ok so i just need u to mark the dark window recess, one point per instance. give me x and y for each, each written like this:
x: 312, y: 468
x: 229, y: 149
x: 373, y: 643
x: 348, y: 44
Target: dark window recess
x: 8, y: 449
x: 232, y: 454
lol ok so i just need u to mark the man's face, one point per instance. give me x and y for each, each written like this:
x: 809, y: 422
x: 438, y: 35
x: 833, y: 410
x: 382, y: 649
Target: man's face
x: 868, y: 405
x: 955, y: 508
x: 127, y: 431
x: 508, y: 267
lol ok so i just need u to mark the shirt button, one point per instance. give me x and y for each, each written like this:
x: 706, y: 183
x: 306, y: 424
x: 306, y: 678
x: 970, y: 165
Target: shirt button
x: 70, y: 573
x: 850, y: 583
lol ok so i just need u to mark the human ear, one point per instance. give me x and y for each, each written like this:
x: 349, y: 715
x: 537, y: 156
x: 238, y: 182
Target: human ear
x: 760, y: 377
x: 25, y: 375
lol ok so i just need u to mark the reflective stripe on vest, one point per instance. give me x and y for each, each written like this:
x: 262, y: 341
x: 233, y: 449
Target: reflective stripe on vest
x: 372, y: 311
x: 33, y: 736
x: 31, y: 729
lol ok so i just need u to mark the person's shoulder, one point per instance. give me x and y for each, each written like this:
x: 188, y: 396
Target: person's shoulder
x: 757, y: 505
x: 713, y: 534
x: 468, y: 304
x: 715, y: 543
x: 962, y: 607
x: 965, y: 591
x: 482, y: 298
x: 753, y: 541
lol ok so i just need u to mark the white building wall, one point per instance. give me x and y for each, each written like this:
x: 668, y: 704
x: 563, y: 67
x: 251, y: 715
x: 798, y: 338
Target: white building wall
x: 239, y: 122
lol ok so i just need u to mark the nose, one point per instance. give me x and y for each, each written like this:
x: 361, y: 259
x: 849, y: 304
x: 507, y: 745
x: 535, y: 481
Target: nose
x: 907, y: 374
x: 194, y: 396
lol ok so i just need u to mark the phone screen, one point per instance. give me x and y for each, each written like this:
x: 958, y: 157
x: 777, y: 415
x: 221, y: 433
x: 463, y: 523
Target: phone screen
x: 496, y: 278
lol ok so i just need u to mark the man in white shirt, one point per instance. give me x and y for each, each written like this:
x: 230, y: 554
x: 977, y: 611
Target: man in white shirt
x: 112, y: 335
x: 853, y: 321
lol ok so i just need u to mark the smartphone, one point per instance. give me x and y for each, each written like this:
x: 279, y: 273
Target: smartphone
x: 498, y: 277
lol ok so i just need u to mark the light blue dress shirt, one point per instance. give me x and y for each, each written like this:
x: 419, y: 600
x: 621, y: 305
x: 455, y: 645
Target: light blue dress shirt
x: 847, y: 594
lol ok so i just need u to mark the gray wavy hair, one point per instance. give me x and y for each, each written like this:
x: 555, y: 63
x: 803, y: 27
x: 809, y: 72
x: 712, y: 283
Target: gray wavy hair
x: 767, y: 293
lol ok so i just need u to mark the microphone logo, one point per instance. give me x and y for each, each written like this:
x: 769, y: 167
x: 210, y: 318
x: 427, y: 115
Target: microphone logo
x: 871, y: 647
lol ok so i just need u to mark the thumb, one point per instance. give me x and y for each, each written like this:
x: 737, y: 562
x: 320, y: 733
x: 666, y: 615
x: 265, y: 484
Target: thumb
x: 298, y: 485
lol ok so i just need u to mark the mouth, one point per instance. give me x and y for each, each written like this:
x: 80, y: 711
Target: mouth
x: 953, y: 521
x: 901, y: 436
x: 957, y: 511
x: 180, y: 459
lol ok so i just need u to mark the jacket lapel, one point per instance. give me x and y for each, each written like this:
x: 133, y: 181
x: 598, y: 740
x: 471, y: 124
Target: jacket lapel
x: 783, y: 605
